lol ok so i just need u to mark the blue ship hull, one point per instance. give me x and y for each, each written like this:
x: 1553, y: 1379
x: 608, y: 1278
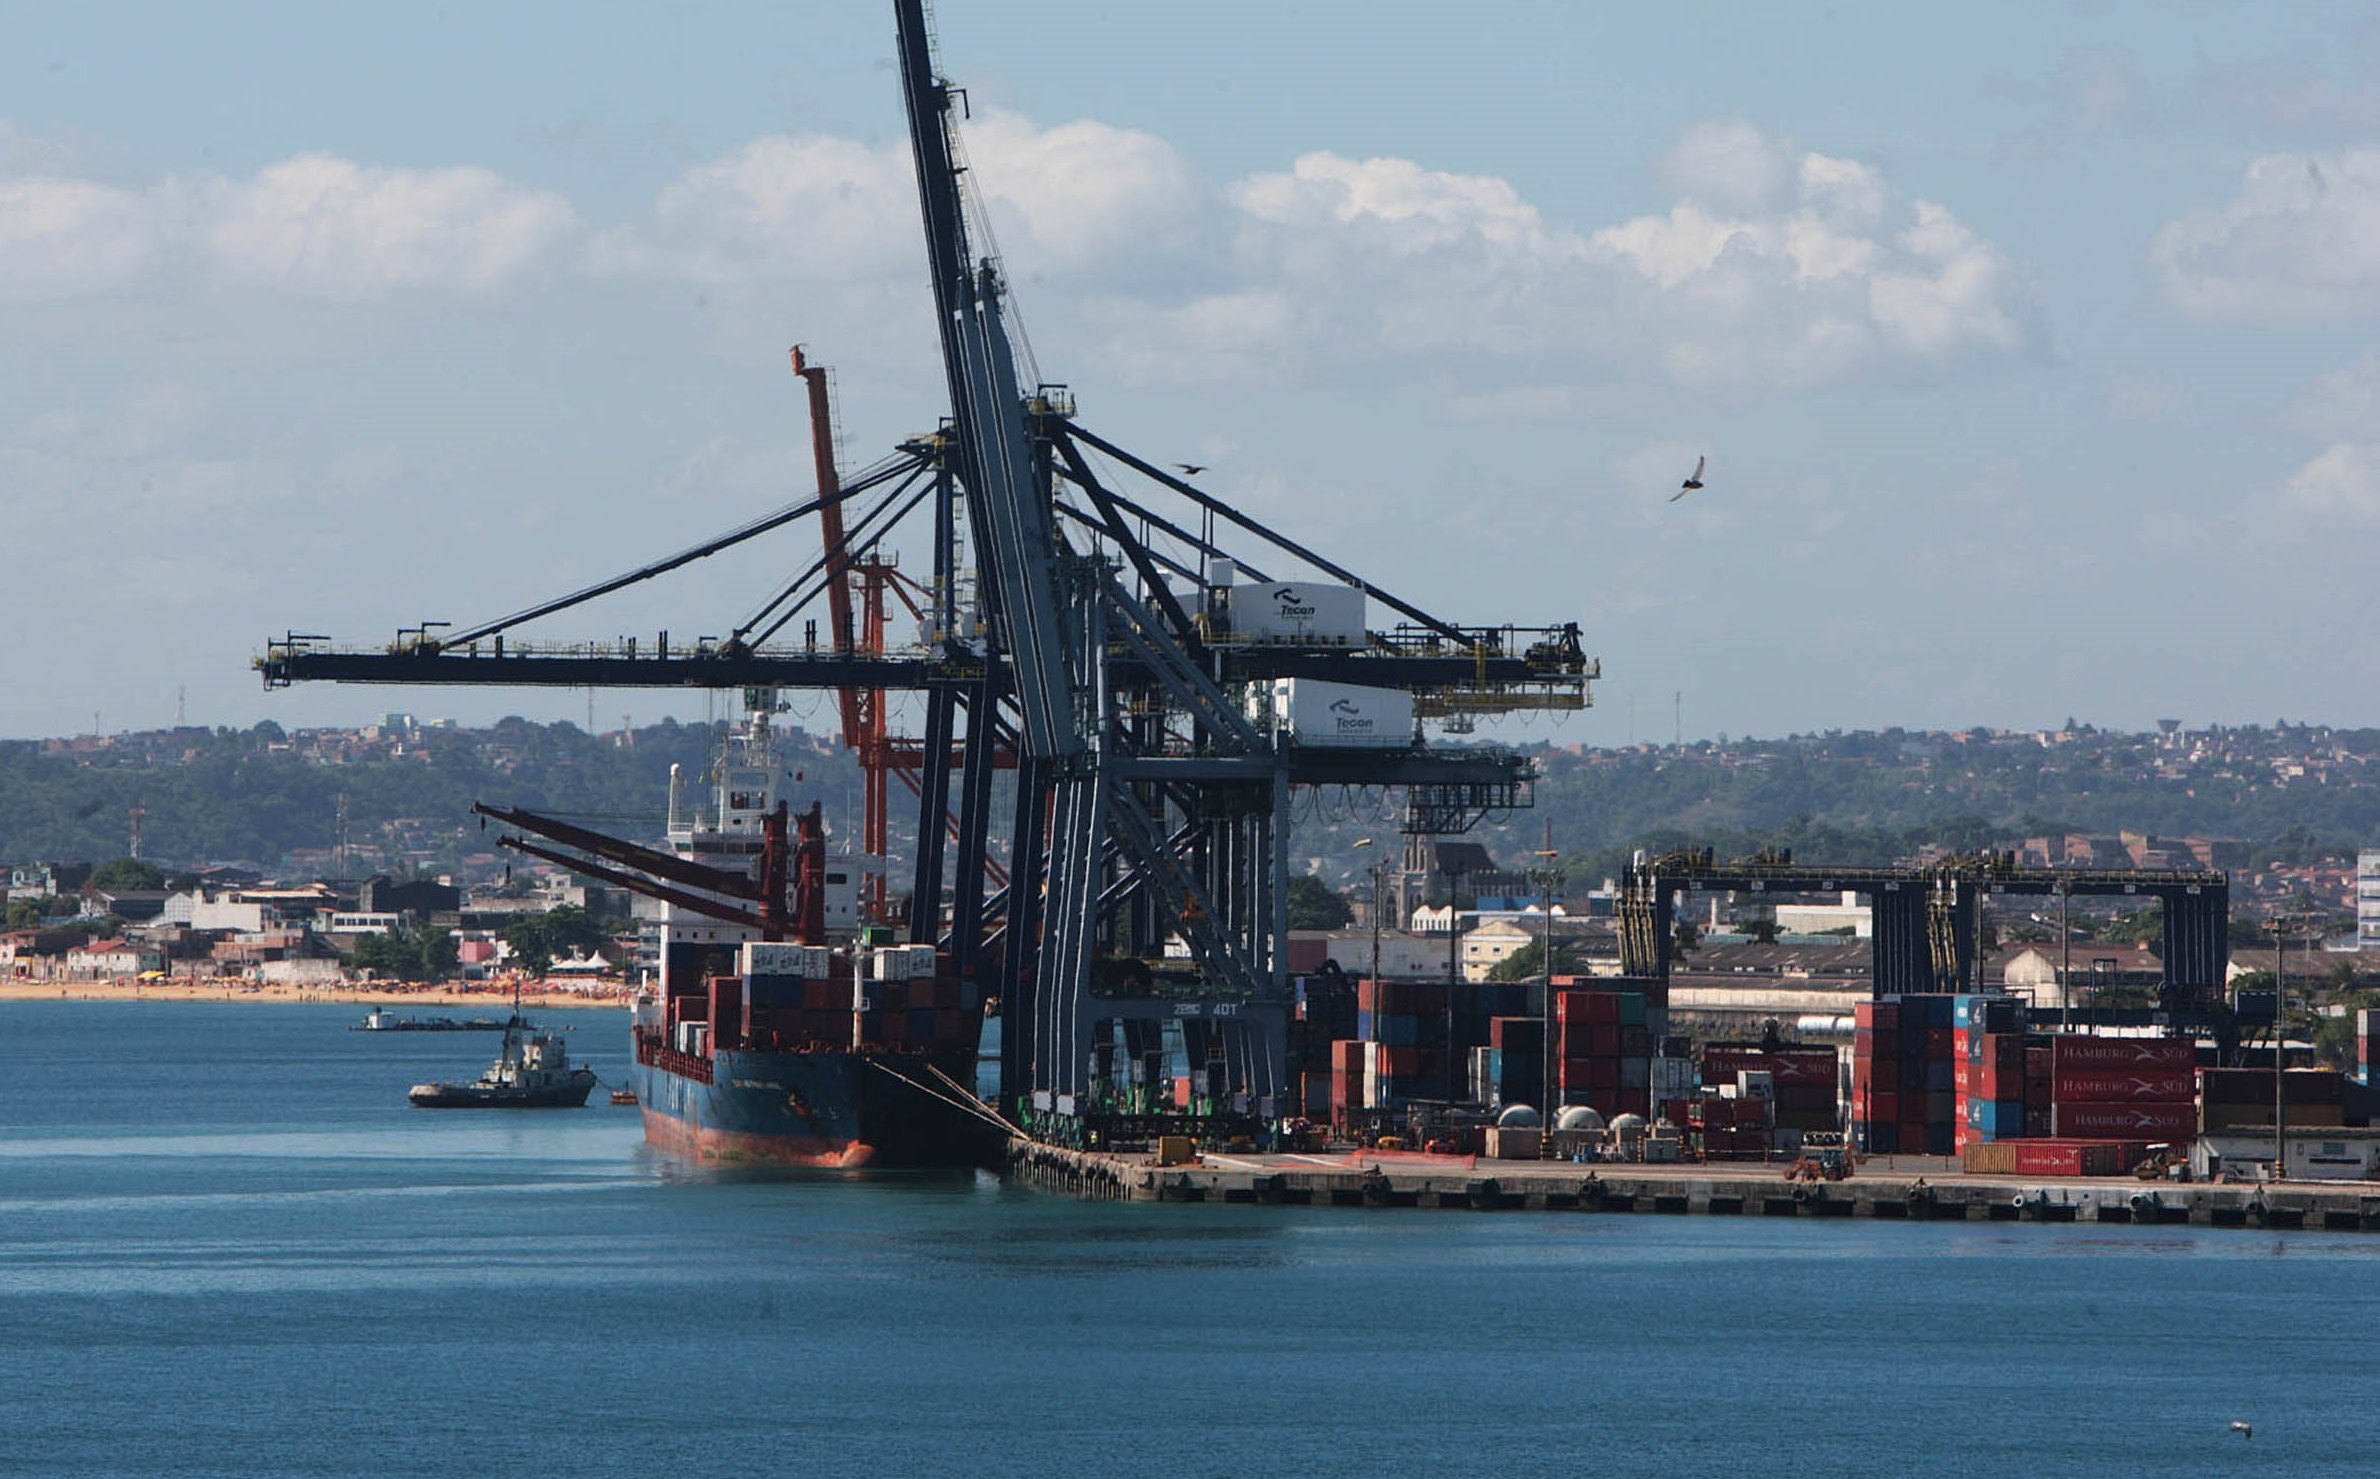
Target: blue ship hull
x: 838, y: 1109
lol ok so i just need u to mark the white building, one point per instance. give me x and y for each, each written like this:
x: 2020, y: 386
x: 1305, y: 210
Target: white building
x: 2367, y: 899
x: 1821, y: 919
x: 2316, y: 1153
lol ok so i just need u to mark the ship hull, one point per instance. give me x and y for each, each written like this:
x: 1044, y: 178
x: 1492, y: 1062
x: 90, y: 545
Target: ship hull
x: 571, y: 1093
x: 839, y: 1110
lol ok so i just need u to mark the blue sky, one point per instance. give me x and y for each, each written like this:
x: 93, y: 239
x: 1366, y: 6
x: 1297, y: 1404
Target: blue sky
x: 2032, y: 345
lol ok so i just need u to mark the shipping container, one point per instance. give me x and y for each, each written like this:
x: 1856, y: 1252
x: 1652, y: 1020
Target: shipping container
x: 1295, y: 613
x: 2124, y: 1121
x: 2141, y: 1086
x: 2069, y: 1051
x: 1336, y: 715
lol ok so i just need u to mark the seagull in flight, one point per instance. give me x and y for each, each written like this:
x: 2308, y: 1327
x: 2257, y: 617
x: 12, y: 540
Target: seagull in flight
x: 2244, y: 1429
x: 1693, y: 482
x: 1190, y: 469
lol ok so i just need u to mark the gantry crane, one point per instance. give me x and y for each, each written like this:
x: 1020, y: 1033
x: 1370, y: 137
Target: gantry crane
x: 1074, y: 629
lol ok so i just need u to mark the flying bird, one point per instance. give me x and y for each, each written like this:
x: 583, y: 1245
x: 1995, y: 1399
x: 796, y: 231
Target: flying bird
x: 2245, y: 1430
x: 1691, y: 483
x: 1190, y: 469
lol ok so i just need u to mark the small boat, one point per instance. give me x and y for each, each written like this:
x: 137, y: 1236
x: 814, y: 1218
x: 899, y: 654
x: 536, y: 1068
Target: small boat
x: 379, y: 1020
x: 623, y: 1096
x: 533, y: 1072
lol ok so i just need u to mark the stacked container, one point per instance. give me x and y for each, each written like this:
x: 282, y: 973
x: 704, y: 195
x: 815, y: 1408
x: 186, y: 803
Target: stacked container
x: 2123, y: 1088
x: 1904, y: 1076
x: 1605, y: 1054
x: 1805, y: 1080
x: 1346, y: 1078
x: 1518, y: 1044
x: 2234, y: 1098
x: 1988, y: 1037
x: 1731, y: 1126
x: 1404, y: 1025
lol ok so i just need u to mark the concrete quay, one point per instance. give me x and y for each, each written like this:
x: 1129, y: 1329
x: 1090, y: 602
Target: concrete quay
x: 1378, y: 1180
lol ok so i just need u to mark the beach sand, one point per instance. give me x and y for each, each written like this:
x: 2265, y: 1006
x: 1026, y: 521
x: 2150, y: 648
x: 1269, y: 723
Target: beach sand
x: 478, y: 998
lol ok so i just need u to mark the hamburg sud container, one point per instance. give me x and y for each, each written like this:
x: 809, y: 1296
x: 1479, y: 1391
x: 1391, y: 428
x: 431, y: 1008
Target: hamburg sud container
x: 2122, y: 1088
x: 1341, y: 715
x: 1296, y: 613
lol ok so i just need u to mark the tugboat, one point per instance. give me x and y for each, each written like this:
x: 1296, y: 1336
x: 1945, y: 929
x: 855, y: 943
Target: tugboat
x: 533, y: 1072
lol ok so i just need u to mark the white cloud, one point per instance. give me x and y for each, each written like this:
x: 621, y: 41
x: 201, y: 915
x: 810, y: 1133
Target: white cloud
x: 2341, y: 484
x: 775, y: 208
x: 1078, y: 197
x: 2301, y: 240
x: 1729, y: 165
x: 321, y: 225
x: 1774, y: 266
x: 315, y: 224
x: 66, y: 238
x: 2343, y: 403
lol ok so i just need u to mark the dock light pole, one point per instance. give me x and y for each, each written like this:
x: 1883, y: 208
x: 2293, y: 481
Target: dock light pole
x: 1549, y: 878
x: 1454, y: 970
x: 1379, y: 868
x: 2281, y: 925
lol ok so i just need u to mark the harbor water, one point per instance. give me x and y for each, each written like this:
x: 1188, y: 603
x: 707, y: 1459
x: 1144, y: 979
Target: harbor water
x: 229, y: 1247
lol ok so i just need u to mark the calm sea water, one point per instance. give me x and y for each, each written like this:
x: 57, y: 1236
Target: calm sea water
x: 228, y: 1246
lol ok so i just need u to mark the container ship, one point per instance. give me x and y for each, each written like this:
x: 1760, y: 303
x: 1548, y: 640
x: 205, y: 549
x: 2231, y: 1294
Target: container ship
x: 774, y: 1028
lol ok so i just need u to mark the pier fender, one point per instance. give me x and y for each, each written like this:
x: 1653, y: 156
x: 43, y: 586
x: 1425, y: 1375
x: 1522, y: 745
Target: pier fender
x: 1374, y: 1187
x: 2146, y: 1204
x: 1484, y: 1193
x: 1918, y: 1195
x: 1805, y: 1195
x: 1271, y: 1190
x: 1590, y: 1191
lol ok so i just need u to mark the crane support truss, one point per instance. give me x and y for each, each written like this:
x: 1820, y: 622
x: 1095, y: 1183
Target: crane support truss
x: 1927, y: 935
x: 1074, y: 638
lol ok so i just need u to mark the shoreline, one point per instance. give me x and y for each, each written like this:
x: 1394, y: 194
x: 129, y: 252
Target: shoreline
x: 445, y: 999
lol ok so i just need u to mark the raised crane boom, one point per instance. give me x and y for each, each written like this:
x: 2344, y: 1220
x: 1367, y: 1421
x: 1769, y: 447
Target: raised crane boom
x: 991, y: 448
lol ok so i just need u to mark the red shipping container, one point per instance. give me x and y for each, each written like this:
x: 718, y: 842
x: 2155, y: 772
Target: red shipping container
x: 2070, y: 1051
x: 2124, y: 1121
x: 2070, y: 1158
x: 727, y: 1010
x: 2152, y: 1086
x: 1886, y: 1106
x: 1938, y: 1045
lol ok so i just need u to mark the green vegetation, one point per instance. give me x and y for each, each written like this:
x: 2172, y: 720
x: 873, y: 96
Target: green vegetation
x: 255, y: 795
x: 408, y: 955
x: 1528, y: 962
x: 538, y: 940
x: 1315, y: 905
x: 127, y: 873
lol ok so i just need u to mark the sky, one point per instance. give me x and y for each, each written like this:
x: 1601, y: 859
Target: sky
x: 2032, y: 346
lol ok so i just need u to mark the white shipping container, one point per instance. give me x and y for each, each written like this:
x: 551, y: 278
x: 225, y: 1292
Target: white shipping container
x: 1296, y: 613
x: 1339, y: 714
x: 921, y: 962
x: 889, y: 963
x: 772, y: 958
x: 818, y: 963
